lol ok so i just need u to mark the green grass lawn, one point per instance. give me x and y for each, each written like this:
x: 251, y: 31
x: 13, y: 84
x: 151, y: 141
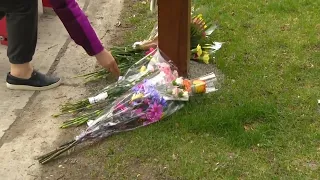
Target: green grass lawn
x: 263, y: 122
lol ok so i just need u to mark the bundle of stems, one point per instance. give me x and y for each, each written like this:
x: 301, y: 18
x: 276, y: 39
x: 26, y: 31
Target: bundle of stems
x: 125, y: 56
x: 85, y: 104
x: 82, y: 119
x: 57, y: 152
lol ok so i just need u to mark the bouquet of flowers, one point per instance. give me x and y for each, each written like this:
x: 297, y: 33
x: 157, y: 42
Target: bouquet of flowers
x: 181, y: 89
x: 148, y: 67
x: 205, y: 53
x: 147, y: 102
x: 202, y: 49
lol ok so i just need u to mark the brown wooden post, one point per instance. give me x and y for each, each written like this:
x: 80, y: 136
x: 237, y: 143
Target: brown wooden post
x: 174, y: 32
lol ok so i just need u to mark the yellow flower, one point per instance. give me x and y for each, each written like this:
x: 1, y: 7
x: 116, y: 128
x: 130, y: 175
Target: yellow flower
x: 137, y: 96
x: 206, y: 58
x: 199, y: 50
x: 143, y: 69
x: 200, y: 16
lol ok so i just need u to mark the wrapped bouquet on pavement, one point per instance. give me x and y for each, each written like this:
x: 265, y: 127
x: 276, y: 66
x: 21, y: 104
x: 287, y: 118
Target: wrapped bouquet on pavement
x: 146, y: 102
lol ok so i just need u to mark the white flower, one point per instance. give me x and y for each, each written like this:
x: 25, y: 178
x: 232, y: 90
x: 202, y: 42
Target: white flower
x: 175, y: 92
x: 179, y: 81
x: 185, y: 94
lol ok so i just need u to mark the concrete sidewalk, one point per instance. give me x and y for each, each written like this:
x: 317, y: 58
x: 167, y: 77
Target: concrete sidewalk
x: 26, y: 126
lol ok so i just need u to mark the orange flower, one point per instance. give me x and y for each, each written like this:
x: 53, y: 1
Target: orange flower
x: 187, y: 85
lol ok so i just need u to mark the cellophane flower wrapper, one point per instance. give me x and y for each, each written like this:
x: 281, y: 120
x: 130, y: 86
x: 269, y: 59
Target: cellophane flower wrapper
x: 141, y: 106
x: 150, y: 42
x: 154, y: 32
x: 148, y: 67
x: 158, y: 69
x: 143, y: 68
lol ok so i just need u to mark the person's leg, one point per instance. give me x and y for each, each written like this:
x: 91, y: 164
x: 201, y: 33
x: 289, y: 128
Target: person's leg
x: 22, y: 27
x: 2, y: 14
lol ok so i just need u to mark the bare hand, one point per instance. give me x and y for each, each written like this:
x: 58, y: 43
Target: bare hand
x: 106, y: 60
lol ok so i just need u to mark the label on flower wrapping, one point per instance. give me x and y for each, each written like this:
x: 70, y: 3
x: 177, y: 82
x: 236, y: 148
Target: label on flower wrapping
x: 136, y: 44
x: 98, y: 98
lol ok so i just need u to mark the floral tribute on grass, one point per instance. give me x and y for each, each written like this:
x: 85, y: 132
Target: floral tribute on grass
x: 149, y: 97
x: 201, y: 35
x: 202, y: 47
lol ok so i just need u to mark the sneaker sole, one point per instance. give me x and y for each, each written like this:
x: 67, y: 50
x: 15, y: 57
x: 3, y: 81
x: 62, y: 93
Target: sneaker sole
x: 33, y: 88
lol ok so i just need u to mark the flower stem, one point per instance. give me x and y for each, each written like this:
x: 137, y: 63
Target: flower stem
x: 57, y: 152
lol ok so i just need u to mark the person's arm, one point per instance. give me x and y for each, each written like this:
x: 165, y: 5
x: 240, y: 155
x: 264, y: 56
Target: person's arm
x: 77, y: 25
x: 81, y: 31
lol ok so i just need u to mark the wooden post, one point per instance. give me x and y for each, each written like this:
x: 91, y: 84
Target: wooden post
x: 174, y: 32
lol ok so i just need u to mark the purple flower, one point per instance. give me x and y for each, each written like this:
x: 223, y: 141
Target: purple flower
x: 138, y: 88
x: 145, y: 87
x: 152, y: 105
x: 163, y: 102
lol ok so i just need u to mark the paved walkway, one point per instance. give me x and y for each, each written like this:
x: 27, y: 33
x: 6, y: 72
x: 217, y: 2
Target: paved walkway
x: 26, y: 126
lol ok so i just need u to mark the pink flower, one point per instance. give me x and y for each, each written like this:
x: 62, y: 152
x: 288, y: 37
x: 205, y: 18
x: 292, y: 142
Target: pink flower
x: 138, y: 111
x: 121, y: 107
x: 170, y: 78
x: 154, y: 114
x: 151, y: 50
x: 166, y: 69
